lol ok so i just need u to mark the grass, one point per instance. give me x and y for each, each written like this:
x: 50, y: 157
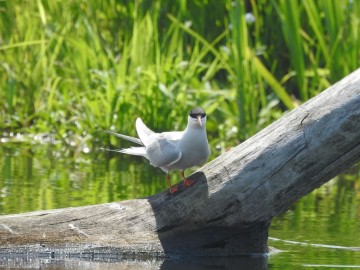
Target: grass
x: 71, y: 68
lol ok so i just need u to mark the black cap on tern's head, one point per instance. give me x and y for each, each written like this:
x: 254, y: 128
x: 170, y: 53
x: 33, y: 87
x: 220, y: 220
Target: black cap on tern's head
x: 197, y: 112
x: 197, y: 117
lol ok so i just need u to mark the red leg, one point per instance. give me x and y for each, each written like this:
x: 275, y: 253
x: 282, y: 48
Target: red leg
x: 172, y: 189
x: 186, y: 182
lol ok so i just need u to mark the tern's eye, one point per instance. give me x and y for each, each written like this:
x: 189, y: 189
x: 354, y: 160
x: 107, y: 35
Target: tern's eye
x: 195, y: 115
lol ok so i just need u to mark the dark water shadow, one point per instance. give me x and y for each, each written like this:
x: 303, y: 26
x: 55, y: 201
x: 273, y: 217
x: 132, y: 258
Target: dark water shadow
x: 226, y: 263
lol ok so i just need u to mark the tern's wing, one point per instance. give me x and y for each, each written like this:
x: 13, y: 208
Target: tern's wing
x: 173, y: 136
x: 145, y: 134
x: 162, y: 153
x: 129, y: 138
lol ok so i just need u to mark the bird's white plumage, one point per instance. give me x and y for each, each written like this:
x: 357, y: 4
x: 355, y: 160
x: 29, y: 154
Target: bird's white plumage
x: 174, y: 150
x: 129, y: 138
x: 146, y: 135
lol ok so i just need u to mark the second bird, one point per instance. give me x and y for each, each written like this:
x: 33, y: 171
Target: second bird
x: 173, y: 150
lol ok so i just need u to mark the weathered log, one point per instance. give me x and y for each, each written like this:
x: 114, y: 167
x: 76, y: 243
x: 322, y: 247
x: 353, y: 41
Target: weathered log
x: 229, y: 208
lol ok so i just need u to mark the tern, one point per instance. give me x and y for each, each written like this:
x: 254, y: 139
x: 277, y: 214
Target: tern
x: 173, y: 150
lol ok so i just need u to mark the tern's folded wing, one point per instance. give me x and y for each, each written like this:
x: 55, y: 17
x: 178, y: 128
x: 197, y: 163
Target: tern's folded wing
x: 173, y: 136
x: 162, y: 153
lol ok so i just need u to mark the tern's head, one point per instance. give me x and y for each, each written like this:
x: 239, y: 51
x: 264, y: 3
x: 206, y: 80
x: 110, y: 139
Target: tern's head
x: 197, y: 118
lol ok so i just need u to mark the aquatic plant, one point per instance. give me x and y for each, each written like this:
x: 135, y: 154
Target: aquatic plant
x: 72, y: 68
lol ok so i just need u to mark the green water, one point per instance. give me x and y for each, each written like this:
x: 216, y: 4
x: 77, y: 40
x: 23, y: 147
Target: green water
x: 321, y: 231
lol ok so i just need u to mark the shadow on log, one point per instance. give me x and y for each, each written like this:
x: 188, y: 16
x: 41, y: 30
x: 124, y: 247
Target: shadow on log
x: 228, y: 210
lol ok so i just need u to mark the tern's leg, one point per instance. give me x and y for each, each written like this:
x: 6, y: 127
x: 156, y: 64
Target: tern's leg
x: 172, y: 189
x: 186, y: 182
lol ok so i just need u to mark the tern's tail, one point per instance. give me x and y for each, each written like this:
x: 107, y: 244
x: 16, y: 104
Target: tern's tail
x: 129, y: 138
x: 135, y: 151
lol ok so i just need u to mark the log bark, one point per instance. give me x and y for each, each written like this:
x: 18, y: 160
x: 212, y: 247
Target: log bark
x: 229, y: 208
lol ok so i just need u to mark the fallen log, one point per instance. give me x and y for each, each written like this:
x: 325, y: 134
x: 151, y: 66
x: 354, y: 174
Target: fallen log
x: 229, y: 208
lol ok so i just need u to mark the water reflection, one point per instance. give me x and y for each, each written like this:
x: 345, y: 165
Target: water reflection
x: 232, y: 263
x: 33, y: 179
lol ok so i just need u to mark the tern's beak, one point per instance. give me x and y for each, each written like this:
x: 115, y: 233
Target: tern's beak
x: 199, y: 120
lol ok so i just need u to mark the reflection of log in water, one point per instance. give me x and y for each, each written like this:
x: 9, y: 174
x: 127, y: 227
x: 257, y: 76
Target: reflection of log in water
x: 116, y: 263
x: 229, y: 208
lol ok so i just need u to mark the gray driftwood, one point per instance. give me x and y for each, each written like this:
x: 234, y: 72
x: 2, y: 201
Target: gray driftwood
x: 229, y: 208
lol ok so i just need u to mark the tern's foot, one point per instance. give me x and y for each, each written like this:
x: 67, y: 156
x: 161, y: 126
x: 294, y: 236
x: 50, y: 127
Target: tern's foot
x: 173, y: 189
x: 187, y: 182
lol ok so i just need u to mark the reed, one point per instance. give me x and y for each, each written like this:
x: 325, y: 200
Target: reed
x: 103, y: 64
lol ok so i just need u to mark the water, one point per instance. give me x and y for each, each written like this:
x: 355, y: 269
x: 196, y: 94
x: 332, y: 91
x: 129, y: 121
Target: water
x: 321, y: 231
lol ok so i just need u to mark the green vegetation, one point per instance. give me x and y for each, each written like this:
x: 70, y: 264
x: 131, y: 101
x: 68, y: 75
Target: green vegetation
x: 70, y: 68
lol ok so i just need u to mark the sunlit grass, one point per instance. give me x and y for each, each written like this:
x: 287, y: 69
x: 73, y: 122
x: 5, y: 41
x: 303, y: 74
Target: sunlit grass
x: 74, y: 67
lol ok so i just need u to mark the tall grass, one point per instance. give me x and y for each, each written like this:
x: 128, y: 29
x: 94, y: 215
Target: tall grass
x: 289, y: 15
x: 72, y: 68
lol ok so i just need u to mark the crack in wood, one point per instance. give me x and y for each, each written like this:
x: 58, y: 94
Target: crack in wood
x: 227, y: 173
x: 302, y: 127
